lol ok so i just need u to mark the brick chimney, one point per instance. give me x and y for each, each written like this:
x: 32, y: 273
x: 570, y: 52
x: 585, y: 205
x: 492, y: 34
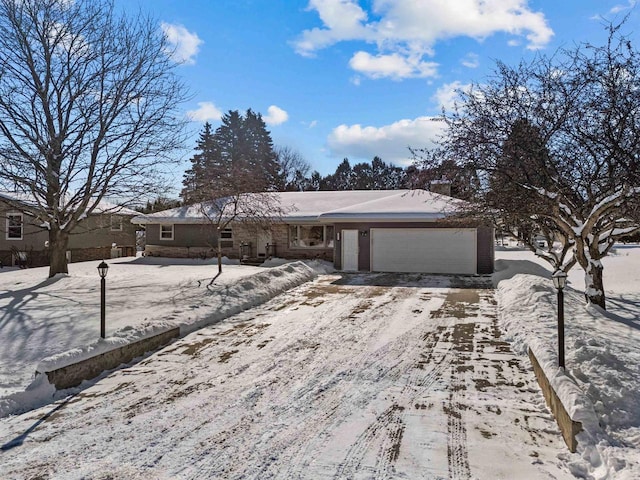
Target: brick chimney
x: 443, y: 187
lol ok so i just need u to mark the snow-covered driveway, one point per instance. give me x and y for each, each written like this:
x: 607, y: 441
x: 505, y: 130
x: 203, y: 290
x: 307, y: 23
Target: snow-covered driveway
x: 345, y: 377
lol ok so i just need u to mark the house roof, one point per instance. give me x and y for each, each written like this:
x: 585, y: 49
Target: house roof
x: 331, y: 206
x: 104, y: 206
x: 403, y: 205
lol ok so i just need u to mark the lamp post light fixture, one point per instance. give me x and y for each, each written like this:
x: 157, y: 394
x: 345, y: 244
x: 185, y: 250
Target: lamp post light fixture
x: 103, y: 268
x: 559, y: 281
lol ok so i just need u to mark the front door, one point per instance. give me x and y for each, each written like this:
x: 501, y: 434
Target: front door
x: 264, y: 238
x: 350, y: 250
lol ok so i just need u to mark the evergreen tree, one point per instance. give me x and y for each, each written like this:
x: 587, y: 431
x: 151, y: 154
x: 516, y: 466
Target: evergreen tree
x: 314, y: 182
x: 195, y: 178
x: 342, y: 179
x: 237, y: 158
x: 258, y: 154
x: 362, y: 176
x: 385, y: 176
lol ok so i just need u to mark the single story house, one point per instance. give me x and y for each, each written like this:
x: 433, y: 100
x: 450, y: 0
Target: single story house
x: 357, y: 230
x: 106, y: 233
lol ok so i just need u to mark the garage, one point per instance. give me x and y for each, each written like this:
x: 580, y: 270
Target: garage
x: 424, y: 250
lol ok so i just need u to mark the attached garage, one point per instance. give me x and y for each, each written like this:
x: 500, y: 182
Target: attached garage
x: 424, y: 250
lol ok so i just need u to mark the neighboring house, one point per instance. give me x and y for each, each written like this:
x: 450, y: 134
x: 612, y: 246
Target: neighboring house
x: 106, y: 233
x: 361, y: 230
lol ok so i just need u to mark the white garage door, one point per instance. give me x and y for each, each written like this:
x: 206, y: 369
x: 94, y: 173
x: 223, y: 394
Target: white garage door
x: 423, y: 250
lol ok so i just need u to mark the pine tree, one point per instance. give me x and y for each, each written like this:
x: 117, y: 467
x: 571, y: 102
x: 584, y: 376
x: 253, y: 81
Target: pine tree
x: 196, y: 177
x: 237, y: 158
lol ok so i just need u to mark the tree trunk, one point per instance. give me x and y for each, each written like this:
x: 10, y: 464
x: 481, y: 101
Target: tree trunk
x: 219, y: 253
x: 594, y: 288
x: 58, y: 243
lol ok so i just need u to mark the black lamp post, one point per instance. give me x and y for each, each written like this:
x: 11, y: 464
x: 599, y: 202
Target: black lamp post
x: 559, y: 281
x: 102, y: 270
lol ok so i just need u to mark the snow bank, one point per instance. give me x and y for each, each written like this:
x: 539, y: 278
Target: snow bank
x: 225, y: 300
x: 250, y: 292
x: 321, y: 267
x: 38, y: 393
x: 216, y: 301
x: 600, y: 385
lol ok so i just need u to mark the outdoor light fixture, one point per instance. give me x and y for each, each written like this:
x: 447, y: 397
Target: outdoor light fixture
x: 559, y: 281
x: 103, y: 268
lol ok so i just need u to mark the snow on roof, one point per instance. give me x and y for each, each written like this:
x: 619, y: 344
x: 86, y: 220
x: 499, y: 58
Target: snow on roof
x: 104, y: 206
x: 403, y: 205
x: 321, y: 205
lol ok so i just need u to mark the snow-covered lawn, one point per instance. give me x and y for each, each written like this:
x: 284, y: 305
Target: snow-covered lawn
x: 40, y: 317
x: 602, y: 352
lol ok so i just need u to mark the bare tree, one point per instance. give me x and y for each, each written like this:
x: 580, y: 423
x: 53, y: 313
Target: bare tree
x: 88, y: 109
x: 557, y: 142
x: 293, y: 169
x: 259, y: 210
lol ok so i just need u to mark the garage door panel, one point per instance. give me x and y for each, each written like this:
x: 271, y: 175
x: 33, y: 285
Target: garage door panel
x: 423, y: 250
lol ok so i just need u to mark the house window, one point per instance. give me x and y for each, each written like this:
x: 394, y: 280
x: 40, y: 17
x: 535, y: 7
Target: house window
x: 329, y: 235
x: 166, y: 232
x: 311, y: 236
x: 116, y: 223
x: 226, y: 238
x: 14, y: 226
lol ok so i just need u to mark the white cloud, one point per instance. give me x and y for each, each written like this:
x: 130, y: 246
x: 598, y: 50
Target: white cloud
x: 405, y: 31
x: 205, y: 112
x: 619, y: 8
x: 389, y: 142
x: 343, y: 20
x: 184, y: 44
x: 446, y: 96
x: 471, y: 60
x: 394, y: 66
x: 275, y: 116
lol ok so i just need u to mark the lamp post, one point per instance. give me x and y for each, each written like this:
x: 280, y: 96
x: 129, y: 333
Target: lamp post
x: 559, y: 281
x: 102, y: 270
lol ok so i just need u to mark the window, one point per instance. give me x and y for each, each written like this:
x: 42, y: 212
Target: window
x: 329, y: 236
x: 226, y: 238
x: 14, y: 226
x: 311, y: 236
x: 166, y: 232
x: 116, y: 223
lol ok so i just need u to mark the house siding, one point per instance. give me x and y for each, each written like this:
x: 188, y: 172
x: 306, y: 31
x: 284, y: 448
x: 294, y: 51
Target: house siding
x: 184, y: 235
x: 90, y: 240
x: 200, y: 241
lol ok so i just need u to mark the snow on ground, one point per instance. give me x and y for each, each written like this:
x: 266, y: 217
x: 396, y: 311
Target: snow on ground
x: 60, y: 317
x: 349, y: 376
x: 602, y: 352
x: 334, y: 379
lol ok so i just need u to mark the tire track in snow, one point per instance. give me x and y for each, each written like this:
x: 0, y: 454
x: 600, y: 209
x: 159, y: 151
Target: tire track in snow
x: 314, y: 401
x: 373, y: 365
x: 388, y: 428
x: 463, y: 305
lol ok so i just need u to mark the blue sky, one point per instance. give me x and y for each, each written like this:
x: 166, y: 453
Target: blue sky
x: 358, y: 78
